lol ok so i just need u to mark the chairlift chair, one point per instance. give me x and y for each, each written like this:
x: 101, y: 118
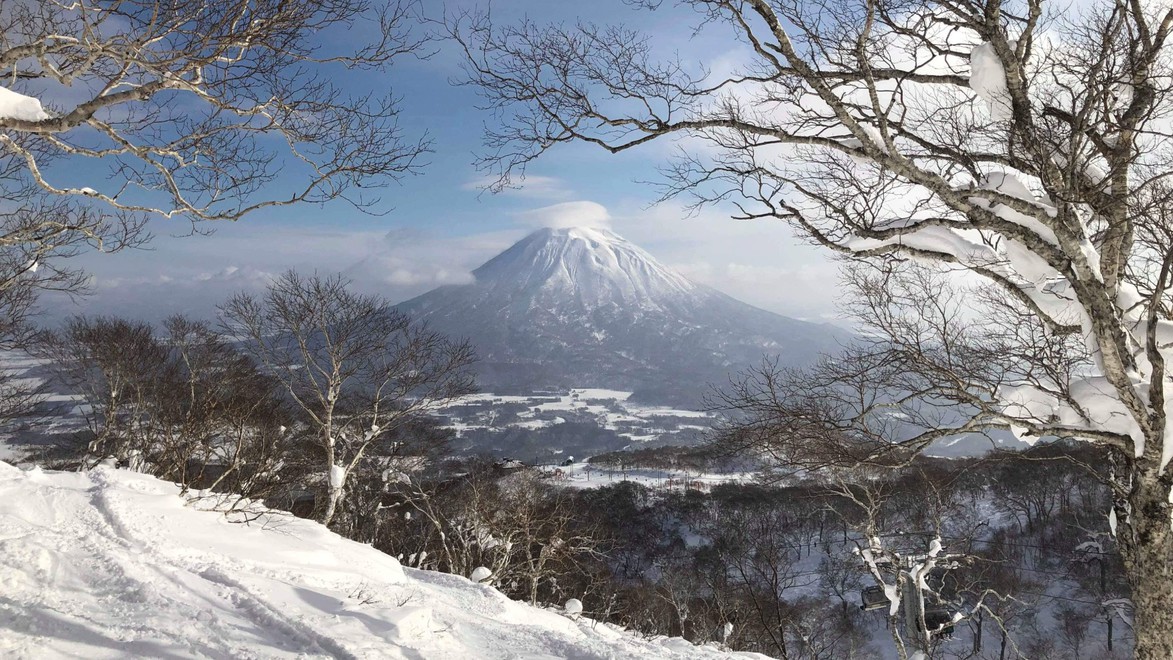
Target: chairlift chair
x: 939, y: 619
x: 873, y: 598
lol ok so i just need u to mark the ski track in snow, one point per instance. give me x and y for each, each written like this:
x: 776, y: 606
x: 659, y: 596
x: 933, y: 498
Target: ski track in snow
x: 110, y: 564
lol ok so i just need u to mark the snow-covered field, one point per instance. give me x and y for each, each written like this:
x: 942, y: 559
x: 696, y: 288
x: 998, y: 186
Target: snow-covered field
x: 62, y: 413
x: 111, y: 563
x: 609, y: 409
x: 587, y: 475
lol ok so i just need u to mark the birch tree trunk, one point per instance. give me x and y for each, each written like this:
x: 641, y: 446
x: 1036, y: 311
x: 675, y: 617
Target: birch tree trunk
x: 1146, y: 545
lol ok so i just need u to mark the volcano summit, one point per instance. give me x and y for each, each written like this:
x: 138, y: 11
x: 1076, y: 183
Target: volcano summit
x: 583, y: 307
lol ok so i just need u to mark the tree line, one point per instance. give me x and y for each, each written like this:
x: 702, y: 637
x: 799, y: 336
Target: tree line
x: 294, y: 397
x: 314, y: 399
x: 775, y: 568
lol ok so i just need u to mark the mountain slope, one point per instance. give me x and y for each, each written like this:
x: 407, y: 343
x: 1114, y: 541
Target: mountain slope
x: 583, y: 307
x: 110, y: 564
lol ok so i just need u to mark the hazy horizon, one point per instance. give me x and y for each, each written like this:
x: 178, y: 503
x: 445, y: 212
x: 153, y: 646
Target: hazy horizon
x: 433, y: 229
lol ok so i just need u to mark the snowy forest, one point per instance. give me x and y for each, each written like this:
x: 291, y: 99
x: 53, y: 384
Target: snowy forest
x: 990, y: 178
x: 1032, y: 569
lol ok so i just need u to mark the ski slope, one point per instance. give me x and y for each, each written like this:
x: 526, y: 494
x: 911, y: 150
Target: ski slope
x: 110, y: 563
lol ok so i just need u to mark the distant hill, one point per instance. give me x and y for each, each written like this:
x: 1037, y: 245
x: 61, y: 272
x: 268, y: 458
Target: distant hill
x: 582, y: 307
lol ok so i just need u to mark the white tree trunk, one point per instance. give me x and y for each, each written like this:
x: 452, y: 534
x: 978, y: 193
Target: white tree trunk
x: 1147, y: 548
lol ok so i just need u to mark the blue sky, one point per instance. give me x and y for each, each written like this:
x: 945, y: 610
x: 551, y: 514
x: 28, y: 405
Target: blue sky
x: 440, y: 225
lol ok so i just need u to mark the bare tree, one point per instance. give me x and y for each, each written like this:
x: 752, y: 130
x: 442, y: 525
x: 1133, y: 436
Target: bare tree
x: 116, y: 367
x: 186, y: 407
x: 542, y: 542
x: 186, y: 103
x: 537, y: 546
x: 193, y: 110
x: 762, y: 564
x: 1028, y: 150
x: 217, y: 418
x: 355, y: 367
x: 20, y: 398
x: 185, y: 111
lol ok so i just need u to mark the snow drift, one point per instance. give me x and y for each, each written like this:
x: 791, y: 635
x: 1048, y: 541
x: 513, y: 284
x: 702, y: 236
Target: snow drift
x: 110, y: 563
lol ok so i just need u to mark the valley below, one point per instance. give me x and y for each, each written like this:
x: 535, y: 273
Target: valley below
x: 553, y: 427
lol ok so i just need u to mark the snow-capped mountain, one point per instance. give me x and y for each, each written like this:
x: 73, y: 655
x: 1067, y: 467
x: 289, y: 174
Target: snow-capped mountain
x: 582, y: 307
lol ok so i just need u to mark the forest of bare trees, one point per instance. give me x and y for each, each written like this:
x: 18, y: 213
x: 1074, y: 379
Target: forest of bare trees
x: 994, y: 172
x: 770, y: 566
x: 1011, y: 154
x: 292, y: 397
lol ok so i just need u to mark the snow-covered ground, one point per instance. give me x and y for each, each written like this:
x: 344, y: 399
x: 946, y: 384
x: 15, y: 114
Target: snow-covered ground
x: 587, y: 475
x: 61, y: 413
x: 111, y: 563
x: 610, y: 409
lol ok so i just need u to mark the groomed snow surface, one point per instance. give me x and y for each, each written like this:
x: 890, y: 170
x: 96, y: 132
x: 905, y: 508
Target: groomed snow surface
x: 110, y: 563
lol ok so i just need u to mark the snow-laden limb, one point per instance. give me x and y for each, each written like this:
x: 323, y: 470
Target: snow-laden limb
x: 1088, y: 403
x: 109, y: 559
x: 14, y: 105
x: 920, y: 570
x: 935, y: 547
x: 875, y: 141
x: 874, y: 555
x: 1009, y: 183
x: 337, y: 476
x: 930, y: 238
x: 1090, y: 548
x: 987, y: 78
x: 1120, y: 607
x: 892, y: 593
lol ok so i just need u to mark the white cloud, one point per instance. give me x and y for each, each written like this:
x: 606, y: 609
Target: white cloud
x: 409, y: 262
x: 580, y: 213
x: 759, y: 262
x: 246, y: 277
x: 192, y: 275
x: 123, y: 286
x: 531, y: 187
